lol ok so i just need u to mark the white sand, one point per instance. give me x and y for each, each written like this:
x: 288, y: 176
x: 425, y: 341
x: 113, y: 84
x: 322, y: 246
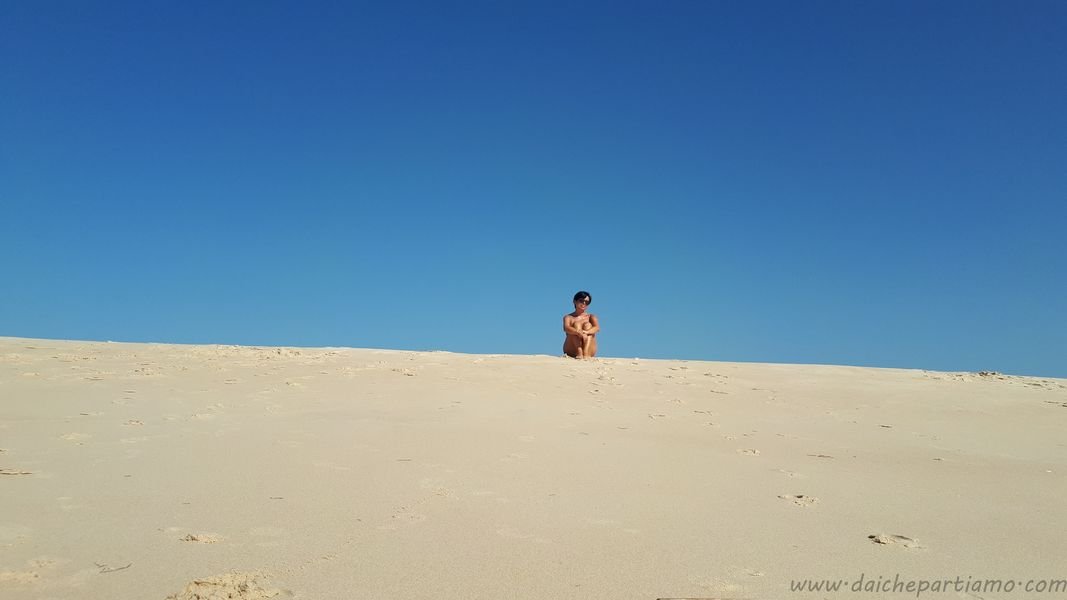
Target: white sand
x: 154, y: 471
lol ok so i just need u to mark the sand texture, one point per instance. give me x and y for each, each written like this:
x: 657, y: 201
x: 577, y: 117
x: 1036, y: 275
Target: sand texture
x: 157, y: 471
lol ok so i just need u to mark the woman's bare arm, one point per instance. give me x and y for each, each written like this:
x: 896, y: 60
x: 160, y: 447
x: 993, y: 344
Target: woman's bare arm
x: 596, y: 325
x: 568, y: 326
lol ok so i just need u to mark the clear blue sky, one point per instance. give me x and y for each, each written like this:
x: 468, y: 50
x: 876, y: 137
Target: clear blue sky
x: 863, y: 183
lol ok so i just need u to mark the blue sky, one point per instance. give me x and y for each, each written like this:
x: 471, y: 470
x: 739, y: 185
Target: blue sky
x: 863, y: 183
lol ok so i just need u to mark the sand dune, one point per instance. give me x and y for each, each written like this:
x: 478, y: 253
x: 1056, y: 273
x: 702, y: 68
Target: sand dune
x: 171, y: 471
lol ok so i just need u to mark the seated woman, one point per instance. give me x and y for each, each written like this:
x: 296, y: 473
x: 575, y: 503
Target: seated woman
x: 581, y: 328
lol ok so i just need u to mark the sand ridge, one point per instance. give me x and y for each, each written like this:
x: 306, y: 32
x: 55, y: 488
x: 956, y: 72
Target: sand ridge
x: 181, y: 471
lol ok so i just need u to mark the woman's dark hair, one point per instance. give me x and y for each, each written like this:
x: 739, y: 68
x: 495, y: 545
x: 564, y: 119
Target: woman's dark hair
x: 583, y: 295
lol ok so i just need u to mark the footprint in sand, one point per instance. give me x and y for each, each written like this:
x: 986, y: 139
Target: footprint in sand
x: 748, y: 451
x: 800, y: 499
x: 722, y: 588
x: 406, y: 514
x: 78, y: 438
x: 403, y: 516
x: 437, y: 489
x: 30, y: 575
x: 19, y: 576
x: 735, y: 573
x: 202, y: 538
x: 889, y: 539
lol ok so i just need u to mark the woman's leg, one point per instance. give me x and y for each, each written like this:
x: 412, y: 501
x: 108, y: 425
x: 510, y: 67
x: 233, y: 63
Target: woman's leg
x: 589, y: 347
x: 572, y: 346
x: 589, y: 343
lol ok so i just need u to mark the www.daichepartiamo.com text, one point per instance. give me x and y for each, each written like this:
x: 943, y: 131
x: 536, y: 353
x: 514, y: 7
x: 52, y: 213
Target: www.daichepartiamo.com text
x: 902, y: 585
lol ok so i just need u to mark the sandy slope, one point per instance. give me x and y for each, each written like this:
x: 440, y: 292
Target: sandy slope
x: 148, y: 471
